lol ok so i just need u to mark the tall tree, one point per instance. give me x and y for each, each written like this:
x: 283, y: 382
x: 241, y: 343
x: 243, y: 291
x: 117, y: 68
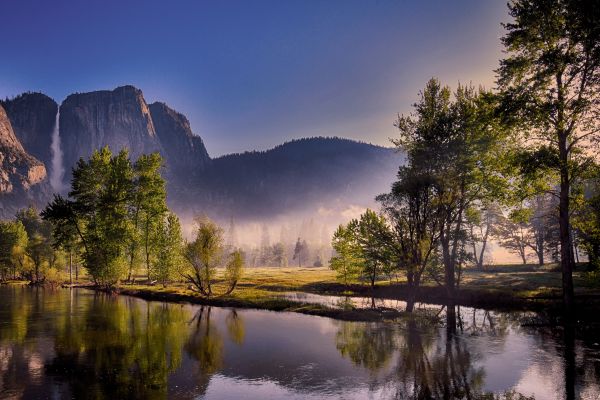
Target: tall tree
x: 98, y: 211
x: 587, y: 220
x: 456, y: 140
x: 372, y: 234
x: 414, y: 213
x: 150, y: 196
x: 13, y: 244
x: 300, y: 252
x: 550, y: 80
x: 481, y: 221
x: 168, y: 262
x: 347, y: 261
x: 39, y: 244
x: 514, y: 233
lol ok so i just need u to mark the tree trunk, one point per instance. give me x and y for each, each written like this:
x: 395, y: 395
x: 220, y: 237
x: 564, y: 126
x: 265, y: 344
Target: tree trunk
x: 566, y: 255
x: 147, y: 248
x: 71, y: 267
x: 448, y: 267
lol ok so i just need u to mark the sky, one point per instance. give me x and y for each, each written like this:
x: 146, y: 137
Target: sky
x: 253, y: 74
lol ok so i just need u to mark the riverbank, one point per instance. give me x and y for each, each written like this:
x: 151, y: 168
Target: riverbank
x: 503, y: 288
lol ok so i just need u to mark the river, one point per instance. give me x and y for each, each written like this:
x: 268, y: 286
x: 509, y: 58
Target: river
x: 77, y: 343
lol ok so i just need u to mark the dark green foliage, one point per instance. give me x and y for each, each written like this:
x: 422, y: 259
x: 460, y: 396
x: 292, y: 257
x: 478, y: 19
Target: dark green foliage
x: 13, y: 244
x: 113, y: 205
x: 39, y: 244
x: 455, y: 146
x: 550, y: 80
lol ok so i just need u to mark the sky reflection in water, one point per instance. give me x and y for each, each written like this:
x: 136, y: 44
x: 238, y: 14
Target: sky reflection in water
x: 81, y: 344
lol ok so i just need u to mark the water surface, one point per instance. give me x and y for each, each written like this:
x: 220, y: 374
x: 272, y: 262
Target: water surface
x: 62, y: 343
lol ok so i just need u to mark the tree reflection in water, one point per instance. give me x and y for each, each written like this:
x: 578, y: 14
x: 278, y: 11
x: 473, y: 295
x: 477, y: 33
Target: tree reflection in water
x: 369, y: 345
x: 124, y: 348
x: 81, y: 344
x: 120, y: 348
x: 431, y: 361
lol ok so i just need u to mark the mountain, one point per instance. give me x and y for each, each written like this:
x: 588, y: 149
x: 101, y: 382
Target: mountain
x: 115, y: 118
x: 307, y: 174
x: 184, y: 151
x: 301, y: 174
x: 19, y: 171
x: 33, y: 116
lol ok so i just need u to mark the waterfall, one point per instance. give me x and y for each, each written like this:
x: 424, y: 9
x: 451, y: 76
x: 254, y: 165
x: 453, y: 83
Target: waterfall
x: 57, y: 170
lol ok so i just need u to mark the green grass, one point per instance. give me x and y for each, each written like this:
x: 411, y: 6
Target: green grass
x: 514, y: 280
x: 498, y: 285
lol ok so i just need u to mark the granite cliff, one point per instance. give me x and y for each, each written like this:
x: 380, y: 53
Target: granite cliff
x: 298, y: 175
x: 33, y: 116
x: 185, y: 152
x: 22, y: 176
x: 115, y: 118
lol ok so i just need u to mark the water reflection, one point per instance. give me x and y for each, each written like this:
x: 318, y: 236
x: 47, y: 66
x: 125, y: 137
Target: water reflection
x: 368, y: 345
x: 80, y: 344
x: 118, y: 349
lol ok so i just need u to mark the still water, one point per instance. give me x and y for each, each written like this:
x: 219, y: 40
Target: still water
x: 62, y: 343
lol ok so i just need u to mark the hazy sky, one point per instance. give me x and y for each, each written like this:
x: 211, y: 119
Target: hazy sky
x: 253, y: 74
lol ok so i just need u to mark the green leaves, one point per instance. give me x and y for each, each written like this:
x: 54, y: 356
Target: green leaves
x: 114, y: 208
x: 347, y: 260
x: 205, y: 253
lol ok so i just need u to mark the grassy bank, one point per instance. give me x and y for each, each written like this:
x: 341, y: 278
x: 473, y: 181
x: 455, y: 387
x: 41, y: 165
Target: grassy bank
x: 505, y: 287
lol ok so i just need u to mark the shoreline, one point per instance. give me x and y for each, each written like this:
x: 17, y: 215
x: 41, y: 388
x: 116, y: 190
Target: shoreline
x: 496, y: 299
x: 268, y: 304
x: 478, y: 299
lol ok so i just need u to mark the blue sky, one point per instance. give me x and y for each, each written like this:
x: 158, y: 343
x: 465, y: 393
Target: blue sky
x: 253, y: 74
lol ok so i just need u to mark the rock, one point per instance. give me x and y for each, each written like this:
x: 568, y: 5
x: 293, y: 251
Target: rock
x: 184, y: 152
x: 17, y: 167
x: 32, y: 117
x: 119, y: 119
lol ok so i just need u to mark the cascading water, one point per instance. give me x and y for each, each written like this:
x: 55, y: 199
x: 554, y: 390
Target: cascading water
x: 57, y: 171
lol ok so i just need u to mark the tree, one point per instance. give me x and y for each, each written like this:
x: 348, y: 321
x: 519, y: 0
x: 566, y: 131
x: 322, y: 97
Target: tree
x: 150, y: 203
x: 347, y: 261
x: 458, y: 142
x: 39, y: 244
x: 587, y: 221
x: 205, y: 253
x: 101, y: 196
x: 481, y: 223
x: 514, y: 234
x: 13, y: 242
x: 372, y: 235
x: 265, y: 246
x: 234, y: 270
x: 550, y: 81
x: 169, y: 255
x: 279, y: 255
x: 542, y: 222
x: 414, y: 214
x: 300, y: 252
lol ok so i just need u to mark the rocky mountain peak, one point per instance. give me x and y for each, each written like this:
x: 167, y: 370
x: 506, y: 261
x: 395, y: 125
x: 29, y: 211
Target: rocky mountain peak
x: 32, y: 117
x: 184, y: 151
x: 118, y: 118
x: 18, y: 170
